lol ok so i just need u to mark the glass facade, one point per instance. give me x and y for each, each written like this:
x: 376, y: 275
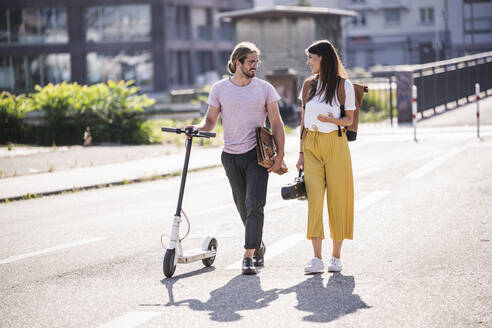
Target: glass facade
x: 20, y: 74
x: 4, y: 26
x: 118, y: 23
x: 89, y: 42
x: 137, y: 66
x: 33, y: 25
x: 6, y: 74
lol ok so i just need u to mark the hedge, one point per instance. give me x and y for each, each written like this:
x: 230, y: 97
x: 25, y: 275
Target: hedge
x: 114, y: 111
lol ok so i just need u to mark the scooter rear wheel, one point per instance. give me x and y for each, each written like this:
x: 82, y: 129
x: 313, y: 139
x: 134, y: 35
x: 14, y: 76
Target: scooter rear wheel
x: 168, y: 266
x: 212, y: 245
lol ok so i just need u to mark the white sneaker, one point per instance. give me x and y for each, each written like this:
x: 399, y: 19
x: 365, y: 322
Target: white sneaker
x: 315, y: 265
x: 335, y: 265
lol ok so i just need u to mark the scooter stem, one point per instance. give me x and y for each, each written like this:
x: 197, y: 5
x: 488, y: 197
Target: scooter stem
x: 189, y: 142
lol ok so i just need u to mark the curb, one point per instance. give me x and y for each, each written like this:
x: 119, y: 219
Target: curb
x: 103, y: 185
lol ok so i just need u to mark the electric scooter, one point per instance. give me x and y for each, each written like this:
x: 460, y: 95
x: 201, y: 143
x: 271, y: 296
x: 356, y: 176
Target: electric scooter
x: 174, y: 251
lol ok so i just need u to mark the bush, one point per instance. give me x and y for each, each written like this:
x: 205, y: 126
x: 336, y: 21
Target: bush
x: 375, y: 106
x: 117, y: 113
x: 12, y: 109
x: 113, y: 111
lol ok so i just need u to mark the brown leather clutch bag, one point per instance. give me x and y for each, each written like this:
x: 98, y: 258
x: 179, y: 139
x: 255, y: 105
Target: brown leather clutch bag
x: 266, y: 148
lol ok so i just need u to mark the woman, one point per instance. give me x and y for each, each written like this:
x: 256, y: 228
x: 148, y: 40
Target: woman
x: 324, y: 154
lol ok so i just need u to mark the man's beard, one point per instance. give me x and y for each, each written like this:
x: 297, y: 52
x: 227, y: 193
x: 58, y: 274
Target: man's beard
x: 249, y: 74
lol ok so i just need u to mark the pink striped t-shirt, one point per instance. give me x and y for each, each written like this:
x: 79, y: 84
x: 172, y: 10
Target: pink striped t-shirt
x: 242, y: 109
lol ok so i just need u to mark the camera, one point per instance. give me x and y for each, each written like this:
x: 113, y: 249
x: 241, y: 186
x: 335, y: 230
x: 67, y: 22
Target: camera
x: 296, y: 189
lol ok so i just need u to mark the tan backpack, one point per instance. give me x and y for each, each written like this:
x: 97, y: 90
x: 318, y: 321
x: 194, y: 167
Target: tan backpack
x: 359, y: 94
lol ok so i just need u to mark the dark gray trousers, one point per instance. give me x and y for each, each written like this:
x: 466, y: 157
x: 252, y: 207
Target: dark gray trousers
x: 249, y: 183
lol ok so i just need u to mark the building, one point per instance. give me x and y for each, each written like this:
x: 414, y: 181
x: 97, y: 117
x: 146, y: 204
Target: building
x: 393, y: 32
x: 470, y: 27
x: 161, y: 44
x: 313, y: 3
x: 282, y: 33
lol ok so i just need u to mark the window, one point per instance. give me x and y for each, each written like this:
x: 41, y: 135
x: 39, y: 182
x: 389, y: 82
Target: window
x: 363, y: 19
x: 222, y: 60
x: 427, y: 16
x: 180, y: 72
x: 55, y: 68
x: 350, y: 58
x: 118, y: 23
x: 205, y: 61
x: 178, y: 22
x: 4, y: 26
x: 226, y: 28
x: 360, y: 19
x: 33, y: 25
x: 6, y: 74
x: 480, y: 25
x: 201, y: 20
x: 20, y: 74
x: 369, y: 58
x: 137, y: 66
x: 392, y: 16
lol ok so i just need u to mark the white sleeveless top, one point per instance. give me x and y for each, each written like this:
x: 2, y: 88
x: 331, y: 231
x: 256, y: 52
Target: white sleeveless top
x: 316, y: 106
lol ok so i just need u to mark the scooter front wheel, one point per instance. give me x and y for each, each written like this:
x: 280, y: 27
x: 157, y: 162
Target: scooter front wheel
x: 168, y: 266
x: 212, y: 245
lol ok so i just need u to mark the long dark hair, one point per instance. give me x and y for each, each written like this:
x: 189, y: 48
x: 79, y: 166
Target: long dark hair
x: 331, y: 69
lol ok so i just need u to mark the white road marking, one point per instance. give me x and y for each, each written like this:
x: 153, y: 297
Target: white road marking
x: 275, y: 249
x: 370, y: 199
x: 131, y: 319
x: 420, y: 172
x: 49, y: 250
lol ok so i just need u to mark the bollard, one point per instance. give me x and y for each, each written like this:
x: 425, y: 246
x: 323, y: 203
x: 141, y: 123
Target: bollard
x: 414, y: 112
x: 477, y: 93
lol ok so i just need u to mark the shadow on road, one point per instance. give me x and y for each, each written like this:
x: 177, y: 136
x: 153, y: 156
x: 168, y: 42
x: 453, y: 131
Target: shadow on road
x: 245, y: 293
x: 241, y: 293
x: 327, y: 303
x: 169, y: 282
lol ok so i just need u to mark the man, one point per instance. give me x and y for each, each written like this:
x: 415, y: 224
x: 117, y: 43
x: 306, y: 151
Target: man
x: 243, y: 101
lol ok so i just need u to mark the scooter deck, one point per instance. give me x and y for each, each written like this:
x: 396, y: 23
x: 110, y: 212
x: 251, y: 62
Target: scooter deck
x: 195, y: 255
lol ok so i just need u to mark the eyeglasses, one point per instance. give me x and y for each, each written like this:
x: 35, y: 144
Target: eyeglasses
x: 256, y: 63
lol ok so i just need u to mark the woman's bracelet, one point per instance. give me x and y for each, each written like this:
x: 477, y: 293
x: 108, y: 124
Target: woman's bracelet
x: 301, y: 153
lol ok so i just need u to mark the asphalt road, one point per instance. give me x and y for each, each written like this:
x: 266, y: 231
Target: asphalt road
x: 421, y: 254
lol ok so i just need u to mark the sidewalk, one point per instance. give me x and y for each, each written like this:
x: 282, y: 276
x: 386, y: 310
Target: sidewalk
x: 14, y: 188
x: 105, y: 165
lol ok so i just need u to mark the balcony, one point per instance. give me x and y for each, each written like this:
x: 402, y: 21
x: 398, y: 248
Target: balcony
x: 394, y: 4
x: 360, y: 5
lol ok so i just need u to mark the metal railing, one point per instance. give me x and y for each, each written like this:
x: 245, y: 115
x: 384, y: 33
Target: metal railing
x: 441, y: 85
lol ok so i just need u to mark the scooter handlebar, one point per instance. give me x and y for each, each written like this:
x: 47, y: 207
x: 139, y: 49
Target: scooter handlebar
x: 206, y: 134
x: 194, y: 133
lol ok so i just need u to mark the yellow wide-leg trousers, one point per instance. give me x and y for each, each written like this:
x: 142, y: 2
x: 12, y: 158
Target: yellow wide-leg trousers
x: 328, y: 167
